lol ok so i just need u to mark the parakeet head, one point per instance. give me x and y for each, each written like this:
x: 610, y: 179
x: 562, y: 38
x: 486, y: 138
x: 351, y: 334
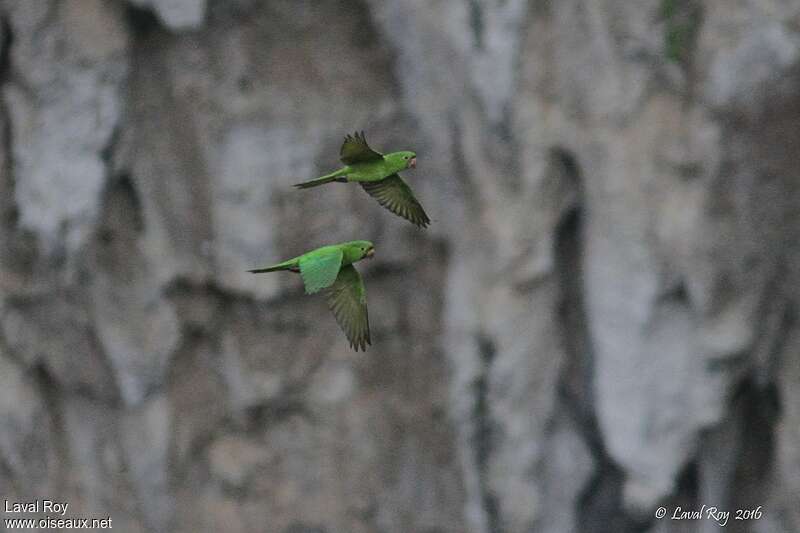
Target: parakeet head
x: 358, y: 250
x: 403, y: 160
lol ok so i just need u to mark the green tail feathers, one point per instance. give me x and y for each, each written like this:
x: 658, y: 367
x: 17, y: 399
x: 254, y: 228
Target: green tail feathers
x: 286, y: 265
x: 320, y: 181
x: 267, y: 269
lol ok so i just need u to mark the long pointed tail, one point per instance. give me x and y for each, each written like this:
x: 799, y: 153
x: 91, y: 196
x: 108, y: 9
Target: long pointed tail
x: 267, y: 269
x: 321, y: 181
x: 286, y: 265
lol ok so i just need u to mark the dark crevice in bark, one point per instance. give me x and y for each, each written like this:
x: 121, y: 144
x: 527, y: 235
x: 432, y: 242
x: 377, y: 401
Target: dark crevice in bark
x: 777, y: 345
x: 462, y: 172
x: 271, y: 412
x: 676, y: 293
x: 9, y: 216
x: 6, y: 41
x: 688, y: 485
x: 778, y: 321
x: 141, y: 20
x: 483, y: 433
x: 108, y: 153
x: 301, y: 527
x: 114, y: 249
x: 52, y: 397
x: 182, y: 286
x: 600, y: 503
x: 576, y: 379
x: 682, y: 21
x: 760, y: 411
x: 9, y: 211
x: 476, y: 23
x: 232, y: 13
x: 121, y: 210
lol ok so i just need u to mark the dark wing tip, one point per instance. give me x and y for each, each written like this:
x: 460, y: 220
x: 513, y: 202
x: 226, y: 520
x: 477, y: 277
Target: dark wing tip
x: 422, y: 221
x: 360, y: 344
x: 361, y: 338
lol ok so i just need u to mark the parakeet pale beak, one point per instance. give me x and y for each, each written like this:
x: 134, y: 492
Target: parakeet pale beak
x: 412, y: 163
x: 371, y: 253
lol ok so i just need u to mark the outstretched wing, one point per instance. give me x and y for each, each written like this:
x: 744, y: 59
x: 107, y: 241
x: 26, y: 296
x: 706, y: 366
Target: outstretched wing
x: 347, y: 298
x: 356, y: 150
x: 320, y: 268
x: 395, y: 195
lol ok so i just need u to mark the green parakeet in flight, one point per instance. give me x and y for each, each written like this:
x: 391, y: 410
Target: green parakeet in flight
x: 378, y: 175
x: 331, y: 268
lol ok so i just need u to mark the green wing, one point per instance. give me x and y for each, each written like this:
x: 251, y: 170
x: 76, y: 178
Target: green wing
x: 356, y: 150
x: 347, y: 298
x: 320, y: 268
x: 395, y: 195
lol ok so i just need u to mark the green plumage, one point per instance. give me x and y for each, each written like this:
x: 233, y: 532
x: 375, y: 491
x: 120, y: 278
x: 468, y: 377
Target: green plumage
x: 320, y: 268
x: 331, y: 268
x: 379, y: 175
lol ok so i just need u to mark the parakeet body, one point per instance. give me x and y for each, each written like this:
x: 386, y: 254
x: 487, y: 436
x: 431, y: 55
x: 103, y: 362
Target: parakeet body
x: 331, y: 268
x: 378, y: 175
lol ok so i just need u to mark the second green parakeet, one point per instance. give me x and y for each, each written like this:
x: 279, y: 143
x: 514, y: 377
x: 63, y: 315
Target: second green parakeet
x: 331, y: 268
x: 378, y: 175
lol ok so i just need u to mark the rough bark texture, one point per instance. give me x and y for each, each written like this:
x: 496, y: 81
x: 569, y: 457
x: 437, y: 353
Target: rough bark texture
x: 601, y: 320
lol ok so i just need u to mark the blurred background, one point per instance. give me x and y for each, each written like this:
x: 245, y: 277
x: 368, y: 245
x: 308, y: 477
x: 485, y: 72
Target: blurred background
x: 601, y: 320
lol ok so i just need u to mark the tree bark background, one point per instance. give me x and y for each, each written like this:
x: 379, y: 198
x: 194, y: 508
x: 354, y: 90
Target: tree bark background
x: 601, y: 320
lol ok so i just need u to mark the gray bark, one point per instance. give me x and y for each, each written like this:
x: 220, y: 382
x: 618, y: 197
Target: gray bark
x: 601, y: 319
